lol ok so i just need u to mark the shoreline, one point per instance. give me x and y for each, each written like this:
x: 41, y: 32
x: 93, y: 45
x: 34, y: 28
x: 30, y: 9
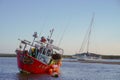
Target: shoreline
x: 64, y: 56
x: 99, y: 62
x: 74, y: 60
x: 94, y: 61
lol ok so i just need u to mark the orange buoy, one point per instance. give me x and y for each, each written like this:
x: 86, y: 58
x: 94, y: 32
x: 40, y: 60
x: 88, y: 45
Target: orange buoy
x: 50, y: 71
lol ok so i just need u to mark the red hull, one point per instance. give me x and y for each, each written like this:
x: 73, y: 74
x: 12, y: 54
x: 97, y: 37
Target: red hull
x: 30, y: 64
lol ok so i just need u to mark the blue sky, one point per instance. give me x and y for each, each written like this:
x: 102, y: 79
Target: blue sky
x: 70, y: 18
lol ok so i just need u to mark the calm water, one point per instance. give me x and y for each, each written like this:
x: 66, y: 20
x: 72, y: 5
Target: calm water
x: 69, y: 71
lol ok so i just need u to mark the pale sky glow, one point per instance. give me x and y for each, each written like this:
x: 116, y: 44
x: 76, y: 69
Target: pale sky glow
x: 21, y: 18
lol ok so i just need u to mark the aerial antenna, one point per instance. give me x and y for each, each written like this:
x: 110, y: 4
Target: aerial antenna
x: 49, y: 37
x: 51, y: 33
x: 35, y: 36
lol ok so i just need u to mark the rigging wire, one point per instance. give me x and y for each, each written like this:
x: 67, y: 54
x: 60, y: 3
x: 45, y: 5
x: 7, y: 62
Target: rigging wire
x: 89, y: 34
x: 86, y: 41
x: 61, y: 38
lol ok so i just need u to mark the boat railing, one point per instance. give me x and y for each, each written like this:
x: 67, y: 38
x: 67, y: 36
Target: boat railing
x: 44, y: 54
x: 53, y: 46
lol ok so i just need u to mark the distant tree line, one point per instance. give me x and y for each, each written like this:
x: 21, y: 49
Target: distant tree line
x: 7, y: 55
x: 110, y: 57
x: 67, y: 56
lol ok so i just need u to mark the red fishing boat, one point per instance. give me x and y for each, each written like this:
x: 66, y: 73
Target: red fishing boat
x: 39, y: 57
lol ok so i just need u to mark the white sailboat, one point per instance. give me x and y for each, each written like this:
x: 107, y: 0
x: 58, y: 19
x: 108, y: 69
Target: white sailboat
x: 84, y: 52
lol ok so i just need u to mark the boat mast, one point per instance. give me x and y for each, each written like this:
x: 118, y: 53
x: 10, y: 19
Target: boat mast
x: 89, y: 33
x: 86, y: 41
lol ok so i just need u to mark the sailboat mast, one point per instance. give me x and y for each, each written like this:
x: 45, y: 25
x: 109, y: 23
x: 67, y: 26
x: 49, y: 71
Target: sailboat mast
x: 89, y: 33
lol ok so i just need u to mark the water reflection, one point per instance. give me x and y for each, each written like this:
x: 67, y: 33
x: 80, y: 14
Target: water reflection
x: 35, y: 77
x: 69, y: 71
